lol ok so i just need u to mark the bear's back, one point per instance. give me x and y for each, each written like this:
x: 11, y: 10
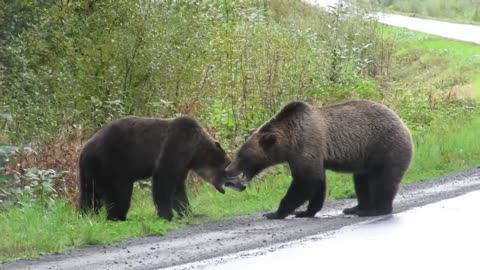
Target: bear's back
x: 360, y: 130
x: 131, y: 142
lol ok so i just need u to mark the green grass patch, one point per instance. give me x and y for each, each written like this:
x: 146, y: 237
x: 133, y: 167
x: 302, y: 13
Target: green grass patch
x: 33, y: 230
x: 452, y: 145
x: 427, y: 61
x: 476, y: 85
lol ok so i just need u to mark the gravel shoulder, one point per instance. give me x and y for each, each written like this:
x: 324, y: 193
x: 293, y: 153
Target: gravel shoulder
x: 210, y: 240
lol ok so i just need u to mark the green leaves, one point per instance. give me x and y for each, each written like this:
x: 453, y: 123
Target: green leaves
x: 74, y: 65
x: 34, y: 186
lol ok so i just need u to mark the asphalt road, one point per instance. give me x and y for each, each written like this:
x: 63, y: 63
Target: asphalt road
x: 207, y: 241
x: 438, y: 236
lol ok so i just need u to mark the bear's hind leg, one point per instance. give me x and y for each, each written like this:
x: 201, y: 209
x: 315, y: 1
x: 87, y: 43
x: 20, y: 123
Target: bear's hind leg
x: 384, y: 185
x: 117, y: 200
x: 361, y: 185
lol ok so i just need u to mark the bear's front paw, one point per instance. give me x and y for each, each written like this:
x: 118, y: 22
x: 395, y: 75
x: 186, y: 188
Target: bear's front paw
x: 304, y: 214
x: 273, y: 215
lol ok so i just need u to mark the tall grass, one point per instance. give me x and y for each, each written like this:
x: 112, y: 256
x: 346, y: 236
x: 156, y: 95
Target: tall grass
x: 446, y: 67
x: 449, y: 147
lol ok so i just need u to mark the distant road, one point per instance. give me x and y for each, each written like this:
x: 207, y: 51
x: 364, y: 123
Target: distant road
x: 454, y: 31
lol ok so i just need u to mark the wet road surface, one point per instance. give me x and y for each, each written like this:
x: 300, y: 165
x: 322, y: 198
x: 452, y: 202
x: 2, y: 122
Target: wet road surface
x: 442, y: 235
x: 211, y: 240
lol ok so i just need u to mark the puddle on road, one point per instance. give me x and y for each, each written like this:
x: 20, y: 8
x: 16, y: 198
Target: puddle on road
x: 442, y: 235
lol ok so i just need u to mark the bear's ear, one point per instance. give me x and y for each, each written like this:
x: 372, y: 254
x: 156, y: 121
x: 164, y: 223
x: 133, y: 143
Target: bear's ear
x: 267, y: 140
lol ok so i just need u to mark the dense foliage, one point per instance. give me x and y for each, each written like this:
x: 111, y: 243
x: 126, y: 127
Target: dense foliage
x: 229, y: 63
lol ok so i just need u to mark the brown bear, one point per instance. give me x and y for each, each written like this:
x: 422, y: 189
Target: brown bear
x: 360, y: 137
x: 134, y: 148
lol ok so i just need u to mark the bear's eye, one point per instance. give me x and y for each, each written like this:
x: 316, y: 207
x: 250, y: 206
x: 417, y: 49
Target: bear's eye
x: 217, y: 144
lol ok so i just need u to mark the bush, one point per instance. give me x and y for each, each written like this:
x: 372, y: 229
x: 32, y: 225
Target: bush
x: 84, y: 65
x: 35, y: 186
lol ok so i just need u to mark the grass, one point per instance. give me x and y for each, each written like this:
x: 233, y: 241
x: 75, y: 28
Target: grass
x: 33, y: 230
x: 448, y: 144
x: 451, y: 146
x: 476, y: 85
x: 451, y: 142
x: 444, y: 64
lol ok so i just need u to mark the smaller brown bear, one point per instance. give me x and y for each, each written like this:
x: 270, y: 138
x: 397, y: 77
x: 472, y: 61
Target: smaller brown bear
x: 134, y: 148
x: 360, y: 137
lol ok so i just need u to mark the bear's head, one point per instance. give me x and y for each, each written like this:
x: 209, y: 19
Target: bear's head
x: 210, y: 163
x: 263, y: 148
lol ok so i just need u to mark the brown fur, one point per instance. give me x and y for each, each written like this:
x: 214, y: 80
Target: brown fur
x: 360, y: 137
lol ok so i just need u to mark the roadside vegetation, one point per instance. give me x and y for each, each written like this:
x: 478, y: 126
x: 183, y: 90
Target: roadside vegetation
x: 465, y: 11
x: 68, y: 68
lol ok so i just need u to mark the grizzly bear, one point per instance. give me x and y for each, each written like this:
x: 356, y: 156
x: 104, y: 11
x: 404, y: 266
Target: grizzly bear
x: 360, y: 137
x: 134, y: 148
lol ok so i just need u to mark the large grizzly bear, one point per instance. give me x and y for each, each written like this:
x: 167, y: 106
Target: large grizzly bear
x: 360, y: 137
x: 134, y: 148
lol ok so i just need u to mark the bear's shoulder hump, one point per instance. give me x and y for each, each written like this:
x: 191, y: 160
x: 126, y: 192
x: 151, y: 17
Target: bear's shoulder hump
x: 290, y: 109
